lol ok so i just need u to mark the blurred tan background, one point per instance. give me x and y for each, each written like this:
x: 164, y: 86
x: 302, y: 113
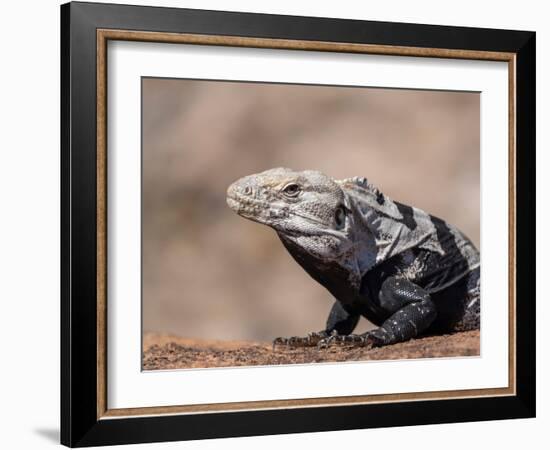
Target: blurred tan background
x: 210, y: 274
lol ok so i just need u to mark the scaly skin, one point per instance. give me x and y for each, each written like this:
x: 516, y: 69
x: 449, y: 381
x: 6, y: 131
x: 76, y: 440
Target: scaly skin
x: 404, y: 270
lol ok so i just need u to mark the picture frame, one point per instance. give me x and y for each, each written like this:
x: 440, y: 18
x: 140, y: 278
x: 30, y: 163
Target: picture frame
x: 86, y: 30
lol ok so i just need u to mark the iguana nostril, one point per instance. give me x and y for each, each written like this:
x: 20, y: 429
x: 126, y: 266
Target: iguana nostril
x: 247, y: 190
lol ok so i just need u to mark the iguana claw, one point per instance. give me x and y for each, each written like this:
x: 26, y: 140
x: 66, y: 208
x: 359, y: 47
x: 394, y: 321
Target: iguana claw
x: 310, y: 340
x: 349, y: 340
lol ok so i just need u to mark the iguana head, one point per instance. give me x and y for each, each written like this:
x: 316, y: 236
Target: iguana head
x: 307, y: 208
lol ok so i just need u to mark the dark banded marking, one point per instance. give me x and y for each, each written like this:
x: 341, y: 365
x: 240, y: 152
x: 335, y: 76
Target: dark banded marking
x: 408, y: 215
x: 453, y: 264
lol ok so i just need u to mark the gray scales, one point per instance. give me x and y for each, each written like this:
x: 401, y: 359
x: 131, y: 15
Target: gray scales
x: 406, y: 271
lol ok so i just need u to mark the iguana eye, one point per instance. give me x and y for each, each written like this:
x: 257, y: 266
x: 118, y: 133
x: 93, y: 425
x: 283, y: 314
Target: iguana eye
x: 340, y: 217
x: 292, y: 190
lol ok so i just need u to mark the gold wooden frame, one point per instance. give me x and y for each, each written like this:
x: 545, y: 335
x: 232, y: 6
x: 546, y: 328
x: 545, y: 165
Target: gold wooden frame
x: 104, y: 35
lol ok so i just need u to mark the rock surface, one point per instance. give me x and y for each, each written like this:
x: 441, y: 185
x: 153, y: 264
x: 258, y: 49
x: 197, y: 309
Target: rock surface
x: 171, y: 352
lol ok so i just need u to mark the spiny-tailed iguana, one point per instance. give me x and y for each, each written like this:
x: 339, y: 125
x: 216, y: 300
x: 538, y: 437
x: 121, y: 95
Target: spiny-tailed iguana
x: 404, y: 270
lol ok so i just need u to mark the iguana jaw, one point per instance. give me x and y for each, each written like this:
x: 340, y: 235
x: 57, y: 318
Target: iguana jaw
x: 254, y: 209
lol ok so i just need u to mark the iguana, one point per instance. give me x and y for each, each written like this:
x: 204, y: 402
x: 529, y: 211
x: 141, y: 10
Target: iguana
x: 406, y: 271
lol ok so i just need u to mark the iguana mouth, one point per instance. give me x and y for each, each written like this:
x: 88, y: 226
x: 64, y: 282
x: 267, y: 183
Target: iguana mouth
x: 257, y: 210
x: 253, y: 207
x: 241, y: 203
x: 232, y: 203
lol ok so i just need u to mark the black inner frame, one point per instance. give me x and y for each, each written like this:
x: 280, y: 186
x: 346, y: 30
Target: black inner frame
x: 79, y: 423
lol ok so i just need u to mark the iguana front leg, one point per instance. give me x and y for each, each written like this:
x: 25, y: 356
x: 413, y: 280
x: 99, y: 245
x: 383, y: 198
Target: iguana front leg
x: 339, y: 322
x: 412, y: 311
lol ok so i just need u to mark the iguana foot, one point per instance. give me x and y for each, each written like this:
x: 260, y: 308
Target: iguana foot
x: 369, y: 339
x: 311, y: 340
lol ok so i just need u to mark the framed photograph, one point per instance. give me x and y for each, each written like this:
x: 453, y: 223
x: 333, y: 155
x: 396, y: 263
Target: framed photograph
x: 278, y: 224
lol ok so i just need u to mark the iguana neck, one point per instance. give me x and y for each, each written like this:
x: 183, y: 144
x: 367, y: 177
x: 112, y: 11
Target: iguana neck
x: 339, y: 276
